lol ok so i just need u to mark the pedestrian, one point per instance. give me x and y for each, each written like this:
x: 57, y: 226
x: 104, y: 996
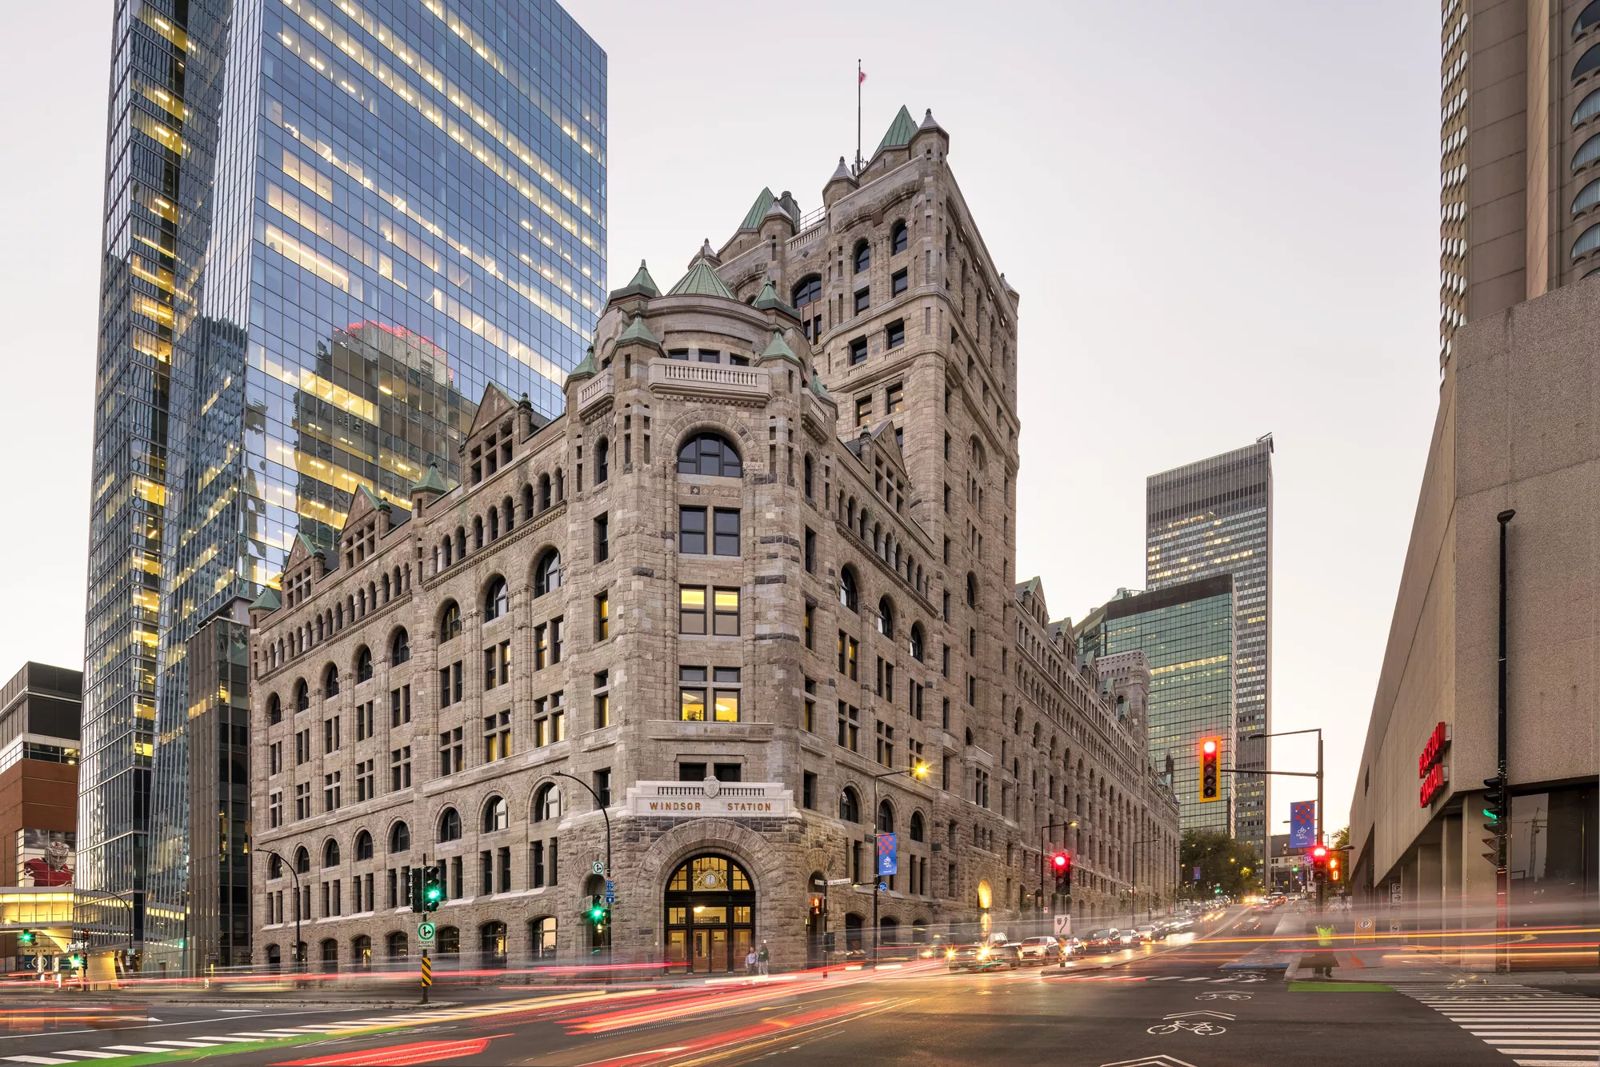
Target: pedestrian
x: 750, y: 962
x: 764, y: 959
x: 1324, y: 961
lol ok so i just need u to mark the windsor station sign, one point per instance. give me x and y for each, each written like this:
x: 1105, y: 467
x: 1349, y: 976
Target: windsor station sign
x: 710, y: 798
x: 1431, y: 768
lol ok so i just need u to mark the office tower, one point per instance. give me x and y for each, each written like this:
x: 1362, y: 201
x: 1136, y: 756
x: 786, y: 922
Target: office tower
x: 1186, y: 632
x: 1519, y: 144
x: 329, y: 226
x: 1211, y: 518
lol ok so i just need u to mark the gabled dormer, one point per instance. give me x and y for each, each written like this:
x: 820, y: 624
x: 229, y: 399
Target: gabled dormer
x: 878, y: 449
x: 492, y: 438
x: 306, y: 564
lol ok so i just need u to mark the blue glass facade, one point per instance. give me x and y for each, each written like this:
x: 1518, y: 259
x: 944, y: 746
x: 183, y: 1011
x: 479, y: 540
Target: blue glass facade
x: 330, y: 224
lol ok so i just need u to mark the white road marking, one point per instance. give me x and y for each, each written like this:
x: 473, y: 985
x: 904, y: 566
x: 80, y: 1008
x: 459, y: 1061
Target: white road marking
x: 36, y: 1059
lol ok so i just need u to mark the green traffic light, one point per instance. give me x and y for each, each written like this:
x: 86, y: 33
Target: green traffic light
x: 25, y: 938
x: 597, y: 913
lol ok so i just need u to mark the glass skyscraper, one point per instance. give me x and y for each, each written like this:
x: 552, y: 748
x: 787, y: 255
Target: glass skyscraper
x: 329, y: 224
x: 1186, y: 633
x: 1210, y: 518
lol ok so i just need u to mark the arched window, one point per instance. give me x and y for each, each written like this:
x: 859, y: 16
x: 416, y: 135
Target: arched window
x: 1588, y: 63
x: 972, y: 590
x: 363, y: 845
x: 477, y: 531
x: 898, y: 237
x: 400, y: 838
x: 449, y: 825
x: 527, y: 501
x: 885, y: 817
x: 919, y: 828
x: 399, y: 646
x: 807, y: 291
x: 547, y: 573
x: 1587, y: 197
x: 1587, y: 19
x: 547, y: 803
x: 274, y: 709
x: 709, y: 453
x: 1587, y: 242
x: 302, y: 860
x: 496, y: 599
x: 330, y: 853
x: 1588, y: 107
x: 361, y: 952
x: 274, y: 866
x: 448, y: 940
x: 1588, y: 152
x: 544, y: 492
x: 917, y: 643
x: 886, y: 616
x: 449, y: 620
x: 849, y: 594
x: 302, y: 695
x: 863, y: 255
x: 363, y: 664
x: 496, y: 815
x: 849, y: 804
x: 394, y: 945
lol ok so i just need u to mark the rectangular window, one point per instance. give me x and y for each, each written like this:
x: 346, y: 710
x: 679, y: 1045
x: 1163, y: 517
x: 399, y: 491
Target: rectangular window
x: 726, y: 540
x: 691, y: 610
x: 541, y: 646
x: 809, y: 624
x: 863, y: 299
x: 451, y: 754
x: 449, y: 684
x: 811, y: 551
x: 602, y: 538
x: 894, y: 335
x: 496, y: 665
x: 726, y: 700
x: 885, y: 744
x: 691, y: 772
x: 365, y: 721
x: 725, y: 612
x: 692, y: 531
x: 602, y: 786
x: 400, y: 705
x: 275, y: 755
x: 496, y: 736
x: 302, y: 746
x: 808, y: 790
x: 728, y: 772
x: 400, y: 769
x: 849, y: 726
x: 486, y: 872
x: 808, y: 720
x: 275, y: 808
x: 602, y: 699
x: 602, y: 616
x: 898, y: 282
x: 332, y: 791
x: 330, y: 735
x: 555, y: 639
x: 302, y: 800
x: 503, y: 863
x: 863, y: 410
x: 692, y: 694
x: 365, y: 789
x: 536, y: 870
x: 894, y: 398
x: 858, y: 351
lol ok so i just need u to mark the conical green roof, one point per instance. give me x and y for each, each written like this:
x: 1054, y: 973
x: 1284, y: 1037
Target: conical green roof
x: 816, y: 385
x: 767, y: 299
x: 639, y: 332
x: 701, y: 281
x: 641, y: 284
x: 432, y: 482
x: 900, y: 131
x: 758, y: 210
x: 267, y: 601
x: 778, y: 348
x: 586, y: 369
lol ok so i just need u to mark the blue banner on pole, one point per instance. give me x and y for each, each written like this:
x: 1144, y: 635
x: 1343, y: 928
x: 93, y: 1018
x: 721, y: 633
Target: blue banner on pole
x: 888, y: 855
x: 1303, y: 824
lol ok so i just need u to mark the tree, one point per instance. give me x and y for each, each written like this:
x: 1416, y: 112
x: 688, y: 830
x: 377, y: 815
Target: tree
x: 1223, y: 861
x: 1340, y: 838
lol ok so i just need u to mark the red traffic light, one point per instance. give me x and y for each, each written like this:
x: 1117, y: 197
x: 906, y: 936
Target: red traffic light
x: 1209, y: 746
x: 1061, y: 861
x: 1319, y: 853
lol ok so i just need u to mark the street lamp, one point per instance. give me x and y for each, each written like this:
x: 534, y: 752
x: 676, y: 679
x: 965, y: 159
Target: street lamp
x: 611, y: 924
x: 919, y: 771
x: 299, y: 946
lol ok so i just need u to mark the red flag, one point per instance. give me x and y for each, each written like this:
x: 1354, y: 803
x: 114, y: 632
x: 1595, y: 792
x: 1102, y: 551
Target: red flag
x: 861, y: 75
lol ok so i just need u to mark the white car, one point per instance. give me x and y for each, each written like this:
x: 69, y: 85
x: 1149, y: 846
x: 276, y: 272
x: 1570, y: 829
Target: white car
x: 1040, y: 950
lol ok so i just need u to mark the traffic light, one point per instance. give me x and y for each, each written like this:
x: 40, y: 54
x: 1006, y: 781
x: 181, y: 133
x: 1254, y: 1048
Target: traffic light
x: 414, y: 887
x: 1319, y: 862
x: 596, y: 912
x: 26, y: 938
x: 1334, y: 873
x: 1494, y: 803
x: 1210, y: 775
x: 432, y: 888
x: 1061, y: 867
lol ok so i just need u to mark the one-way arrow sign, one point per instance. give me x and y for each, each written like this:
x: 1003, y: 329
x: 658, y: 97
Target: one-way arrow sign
x: 1191, y: 1014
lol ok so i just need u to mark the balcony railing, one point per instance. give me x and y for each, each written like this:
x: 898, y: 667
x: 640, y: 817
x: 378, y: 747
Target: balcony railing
x: 594, y: 390
x: 709, y: 379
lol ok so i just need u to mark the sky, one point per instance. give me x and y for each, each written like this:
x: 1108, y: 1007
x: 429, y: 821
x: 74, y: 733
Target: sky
x: 1221, y: 218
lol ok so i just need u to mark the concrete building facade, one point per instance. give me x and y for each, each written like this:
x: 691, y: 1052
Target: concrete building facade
x: 701, y: 635
x: 1516, y: 429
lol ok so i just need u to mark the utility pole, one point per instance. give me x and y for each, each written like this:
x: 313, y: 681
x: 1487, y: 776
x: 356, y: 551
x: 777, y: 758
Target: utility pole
x: 1502, y: 864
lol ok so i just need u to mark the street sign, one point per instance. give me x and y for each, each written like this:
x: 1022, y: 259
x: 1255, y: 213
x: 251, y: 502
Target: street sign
x: 888, y: 854
x: 611, y: 891
x: 425, y: 931
x: 597, y: 867
x: 1063, y: 925
x: 883, y: 887
x: 838, y: 881
x: 1303, y: 824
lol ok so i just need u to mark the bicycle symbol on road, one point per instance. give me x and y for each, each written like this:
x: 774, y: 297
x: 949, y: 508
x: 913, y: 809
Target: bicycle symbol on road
x: 1224, y: 996
x: 1202, y: 1029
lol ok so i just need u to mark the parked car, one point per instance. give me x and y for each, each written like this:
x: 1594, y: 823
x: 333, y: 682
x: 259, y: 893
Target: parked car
x: 1041, y: 950
x: 1102, y: 940
x: 1073, y: 946
x: 1127, y: 938
x: 1008, y: 955
x: 1152, y: 932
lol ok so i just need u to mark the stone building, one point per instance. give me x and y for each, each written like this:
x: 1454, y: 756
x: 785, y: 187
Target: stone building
x: 747, y: 603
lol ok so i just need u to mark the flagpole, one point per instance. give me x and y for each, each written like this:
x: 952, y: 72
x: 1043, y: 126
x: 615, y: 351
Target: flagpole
x: 858, y: 116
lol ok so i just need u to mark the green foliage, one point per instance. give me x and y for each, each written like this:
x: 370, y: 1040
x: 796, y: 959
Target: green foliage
x: 1234, y: 865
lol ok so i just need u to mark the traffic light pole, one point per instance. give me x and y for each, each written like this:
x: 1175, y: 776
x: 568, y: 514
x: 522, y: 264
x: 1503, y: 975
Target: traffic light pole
x: 610, y: 924
x: 1071, y: 824
x: 1502, y: 866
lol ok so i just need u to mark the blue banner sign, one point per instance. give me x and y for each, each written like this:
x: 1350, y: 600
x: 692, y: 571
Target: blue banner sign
x: 888, y: 855
x: 1303, y: 824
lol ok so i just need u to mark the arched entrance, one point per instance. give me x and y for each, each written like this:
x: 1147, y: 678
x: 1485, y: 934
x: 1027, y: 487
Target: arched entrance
x: 710, y: 906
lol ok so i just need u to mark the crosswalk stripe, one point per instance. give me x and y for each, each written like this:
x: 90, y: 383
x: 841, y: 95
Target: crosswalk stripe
x: 187, y: 1044
x: 137, y: 1048
x: 36, y: 1059
x: 88, y: 1054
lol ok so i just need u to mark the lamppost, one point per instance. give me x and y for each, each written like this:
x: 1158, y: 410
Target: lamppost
x: 299, y: 946
x: 919, y: 771
x: 607, y: 816
x: 126, y: 898
x: 1299, y: 774
x: 1070, y: 824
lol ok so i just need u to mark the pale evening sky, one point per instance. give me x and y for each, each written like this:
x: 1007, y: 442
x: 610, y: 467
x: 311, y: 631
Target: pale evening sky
x: 1222, y: 219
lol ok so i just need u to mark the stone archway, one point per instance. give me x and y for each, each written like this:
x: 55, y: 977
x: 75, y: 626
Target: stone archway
x: 778, y: 891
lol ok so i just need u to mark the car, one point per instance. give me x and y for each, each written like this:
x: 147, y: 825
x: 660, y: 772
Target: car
x: 1008, y: 955
x: 1152, y: 932
x: 1041, y: 950
x: 976, y: 957
x: 1072, y: 946
x: 1101, y: 939
x: 1127, y: 938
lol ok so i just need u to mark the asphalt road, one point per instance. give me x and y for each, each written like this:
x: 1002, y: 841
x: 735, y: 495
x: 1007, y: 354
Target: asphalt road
x: 1176, y: 1004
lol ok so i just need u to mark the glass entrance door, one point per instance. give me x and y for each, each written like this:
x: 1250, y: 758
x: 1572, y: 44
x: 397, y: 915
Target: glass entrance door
x: 710, y: 916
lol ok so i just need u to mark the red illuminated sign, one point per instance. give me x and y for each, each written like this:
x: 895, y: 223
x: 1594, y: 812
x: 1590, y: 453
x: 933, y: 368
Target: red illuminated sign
x: 1433, y: 785
x: 1438, y: 741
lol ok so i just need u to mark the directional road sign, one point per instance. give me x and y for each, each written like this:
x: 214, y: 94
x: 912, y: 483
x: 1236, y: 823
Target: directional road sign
x: 611, y: 892
x: 425, y: 931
